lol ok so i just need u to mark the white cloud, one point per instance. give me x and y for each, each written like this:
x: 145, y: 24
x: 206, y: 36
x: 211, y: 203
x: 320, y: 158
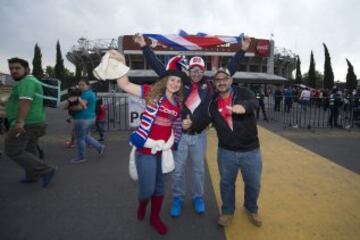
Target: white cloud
x: 300, y: 26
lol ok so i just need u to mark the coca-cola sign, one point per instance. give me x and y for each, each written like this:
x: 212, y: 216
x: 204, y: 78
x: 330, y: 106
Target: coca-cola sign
x: 263, y: 47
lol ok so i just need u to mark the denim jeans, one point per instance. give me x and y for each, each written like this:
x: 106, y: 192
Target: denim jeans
x: 193, y: 146
x: 250, y: 164
x: 100, y: 128
x: 83, y: 137
x: 150, y: 176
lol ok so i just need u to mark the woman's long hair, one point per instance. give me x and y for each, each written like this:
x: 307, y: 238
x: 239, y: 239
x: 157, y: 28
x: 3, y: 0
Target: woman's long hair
x: 159, y: 89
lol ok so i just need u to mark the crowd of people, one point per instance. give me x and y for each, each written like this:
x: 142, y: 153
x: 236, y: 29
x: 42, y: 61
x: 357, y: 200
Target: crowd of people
x: 335, y: 101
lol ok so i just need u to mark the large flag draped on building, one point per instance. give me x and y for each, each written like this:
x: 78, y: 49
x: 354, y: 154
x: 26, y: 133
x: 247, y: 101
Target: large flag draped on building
x: 184, y: 41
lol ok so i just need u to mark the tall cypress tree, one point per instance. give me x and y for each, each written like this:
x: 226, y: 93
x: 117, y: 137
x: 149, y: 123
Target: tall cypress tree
x: 328, y: 71
x: 37, y: 66
x: 59, y: 66
x: 298, y: 77
x: 351, y: 79
x: 78, y: 72
x: 312, y: 73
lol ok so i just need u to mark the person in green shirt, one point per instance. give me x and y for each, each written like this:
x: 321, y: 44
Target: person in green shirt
x: 25, y: 111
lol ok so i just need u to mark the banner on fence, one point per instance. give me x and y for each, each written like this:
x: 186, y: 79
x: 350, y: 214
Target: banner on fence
x: 136, y: 107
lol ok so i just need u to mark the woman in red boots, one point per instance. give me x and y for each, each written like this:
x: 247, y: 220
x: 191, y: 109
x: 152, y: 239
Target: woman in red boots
x: 160, y: 124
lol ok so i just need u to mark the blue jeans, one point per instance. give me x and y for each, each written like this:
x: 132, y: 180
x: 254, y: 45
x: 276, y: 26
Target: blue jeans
x: 100, y: 128
x: 193, y: 146
x: 250, y: 164
x: 83, y: 137
x: 150, y: 177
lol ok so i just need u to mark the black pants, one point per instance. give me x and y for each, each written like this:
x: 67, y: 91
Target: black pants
x: 334, y: 114
x: 262, y: 106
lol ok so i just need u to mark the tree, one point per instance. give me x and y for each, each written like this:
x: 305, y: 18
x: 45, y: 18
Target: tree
x: 351, y: 79
x: 59, y: 66
x: 78, y: 72
x: 50, y: 71
x: 37, y: 67
x: 328, y: 72
x: 311, y: 74
x: 298, y: 77
x: 318, y: 79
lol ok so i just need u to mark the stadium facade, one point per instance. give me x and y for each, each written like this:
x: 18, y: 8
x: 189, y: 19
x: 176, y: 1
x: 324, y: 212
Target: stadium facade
x: 264, y: 64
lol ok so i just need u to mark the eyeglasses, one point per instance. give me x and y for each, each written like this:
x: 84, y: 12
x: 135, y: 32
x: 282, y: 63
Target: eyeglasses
x: 224, y: 79
x: 198, y: 72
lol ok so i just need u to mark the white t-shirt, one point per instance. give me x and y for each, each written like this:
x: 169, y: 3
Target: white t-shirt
x: 305, y: 95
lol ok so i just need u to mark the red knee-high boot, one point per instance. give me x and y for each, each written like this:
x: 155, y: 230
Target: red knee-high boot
x: 156, y: 202
x: 142, y: 209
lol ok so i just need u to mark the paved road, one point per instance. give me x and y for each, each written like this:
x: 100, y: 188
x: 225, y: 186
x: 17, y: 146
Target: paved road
x: 94, y: 200
x: 338, y: 145
x: 97, y: 199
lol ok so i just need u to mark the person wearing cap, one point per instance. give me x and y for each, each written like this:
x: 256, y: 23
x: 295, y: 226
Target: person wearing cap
x: 198, y: 91
x: 232, y: 114
x: 160, y: 122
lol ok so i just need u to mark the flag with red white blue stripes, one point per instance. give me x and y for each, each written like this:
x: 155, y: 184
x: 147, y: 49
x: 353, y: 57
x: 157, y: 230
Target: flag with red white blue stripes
x: 184, y: 41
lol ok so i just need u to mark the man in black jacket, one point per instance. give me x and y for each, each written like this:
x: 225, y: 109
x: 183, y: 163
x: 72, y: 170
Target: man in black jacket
x: 198, y: 92
x: 232, y: 114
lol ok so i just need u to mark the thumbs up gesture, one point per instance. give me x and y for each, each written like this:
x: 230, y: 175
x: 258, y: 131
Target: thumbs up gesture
x: 237, y: 109
x: 186, y: 123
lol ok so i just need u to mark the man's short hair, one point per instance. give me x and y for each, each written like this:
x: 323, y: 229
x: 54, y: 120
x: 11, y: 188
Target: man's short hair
x: 21, y: 61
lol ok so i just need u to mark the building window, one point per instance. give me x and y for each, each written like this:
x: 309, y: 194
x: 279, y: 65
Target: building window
x: 242, y: 68
x: 137, y: 62
x: 254, y: 68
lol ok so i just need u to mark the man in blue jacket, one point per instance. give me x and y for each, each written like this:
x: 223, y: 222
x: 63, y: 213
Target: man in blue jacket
x: 198, y: 92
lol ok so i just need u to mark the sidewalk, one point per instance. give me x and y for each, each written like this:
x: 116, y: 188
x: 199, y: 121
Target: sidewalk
x: 303, y: 196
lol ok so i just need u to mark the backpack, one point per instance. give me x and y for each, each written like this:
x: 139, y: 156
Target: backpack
x: 51, y: 92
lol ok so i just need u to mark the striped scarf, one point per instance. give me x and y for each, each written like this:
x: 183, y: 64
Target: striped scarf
x: 141, y: 134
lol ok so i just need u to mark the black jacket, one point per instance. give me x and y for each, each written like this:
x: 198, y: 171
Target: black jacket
x: 244, y: 135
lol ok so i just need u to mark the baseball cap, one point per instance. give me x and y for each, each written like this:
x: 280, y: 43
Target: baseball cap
x: 197, y: 61
x: 222, y: 70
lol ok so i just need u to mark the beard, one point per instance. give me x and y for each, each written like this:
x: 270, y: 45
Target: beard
x: 18, y: 78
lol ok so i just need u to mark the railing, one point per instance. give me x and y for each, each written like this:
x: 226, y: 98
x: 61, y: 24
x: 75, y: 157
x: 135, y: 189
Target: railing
x: 290, y: 112
x: 315, y: 113
x: 116, y: 112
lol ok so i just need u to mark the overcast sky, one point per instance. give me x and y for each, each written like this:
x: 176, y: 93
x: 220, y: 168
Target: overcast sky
x: 300, y: 26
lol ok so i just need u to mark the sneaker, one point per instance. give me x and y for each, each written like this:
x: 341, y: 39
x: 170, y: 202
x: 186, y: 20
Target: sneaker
x: 176, y: 207
x: 69, y: 144
x: 199, y: 205
x: 254, y: 218
x: 26, y: 180
x: 78, y: 160
x: 225, y: 219
x: 46, y: 178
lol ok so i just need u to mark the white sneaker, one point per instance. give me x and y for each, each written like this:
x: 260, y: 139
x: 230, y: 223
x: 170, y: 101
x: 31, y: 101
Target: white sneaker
x: 75, y: 160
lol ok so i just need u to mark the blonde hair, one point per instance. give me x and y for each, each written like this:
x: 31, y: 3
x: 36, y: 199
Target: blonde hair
x: 158, y: 90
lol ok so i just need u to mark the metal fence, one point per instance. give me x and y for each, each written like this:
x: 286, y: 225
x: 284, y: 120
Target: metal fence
x: 117, y: 112
x: 315, y: 113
